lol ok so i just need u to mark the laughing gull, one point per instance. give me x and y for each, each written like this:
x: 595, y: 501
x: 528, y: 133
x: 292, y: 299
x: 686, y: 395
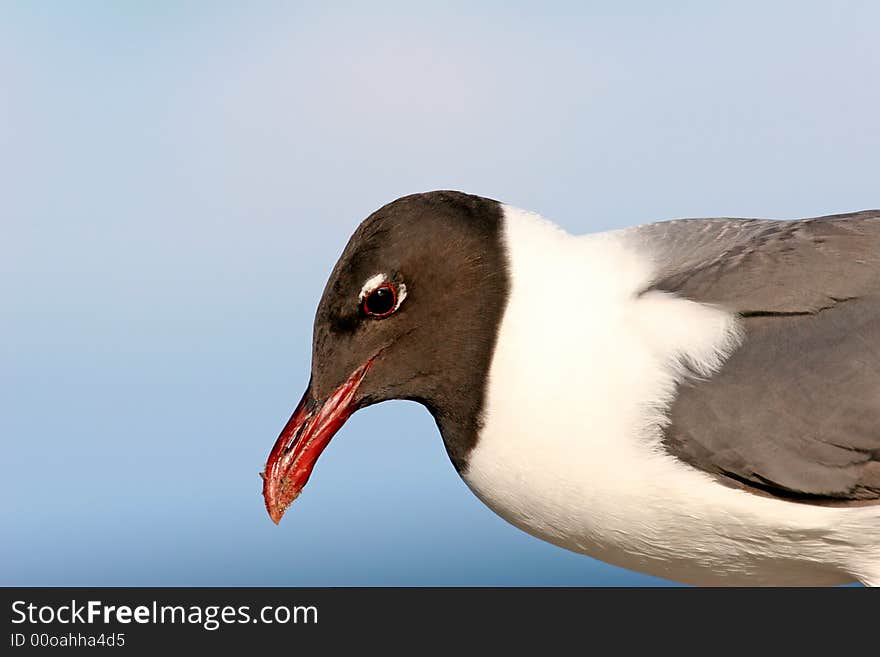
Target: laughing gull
x: 695, y: 399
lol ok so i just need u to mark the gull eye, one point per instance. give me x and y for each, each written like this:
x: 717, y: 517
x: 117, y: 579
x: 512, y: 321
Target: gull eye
x: 381, y: 302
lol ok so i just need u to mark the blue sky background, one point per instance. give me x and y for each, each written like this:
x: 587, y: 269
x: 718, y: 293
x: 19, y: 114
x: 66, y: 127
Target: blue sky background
x: 177, y: 180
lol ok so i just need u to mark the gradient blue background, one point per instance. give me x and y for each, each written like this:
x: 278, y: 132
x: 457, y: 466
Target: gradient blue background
x: 177, y: 180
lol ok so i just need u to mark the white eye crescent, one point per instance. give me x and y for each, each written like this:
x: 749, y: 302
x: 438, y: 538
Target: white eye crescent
x: 372, y: 283
x: 379, y: 297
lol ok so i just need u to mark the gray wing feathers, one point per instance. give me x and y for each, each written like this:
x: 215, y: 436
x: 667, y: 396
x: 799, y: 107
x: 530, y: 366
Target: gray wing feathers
x: 795, y: 411
x: 761, y: 265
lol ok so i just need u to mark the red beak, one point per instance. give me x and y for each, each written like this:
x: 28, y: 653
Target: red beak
x: 304, y: 437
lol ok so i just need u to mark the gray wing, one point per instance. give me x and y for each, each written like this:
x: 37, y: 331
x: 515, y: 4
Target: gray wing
x: 795, y: 411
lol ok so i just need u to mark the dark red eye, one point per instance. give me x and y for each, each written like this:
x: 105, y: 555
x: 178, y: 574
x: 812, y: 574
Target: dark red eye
x: 381, y: 302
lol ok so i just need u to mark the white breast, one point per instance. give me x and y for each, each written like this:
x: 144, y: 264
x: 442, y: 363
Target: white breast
x: 584, y: 370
